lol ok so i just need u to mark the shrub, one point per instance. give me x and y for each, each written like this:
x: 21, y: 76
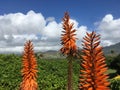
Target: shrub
x: 115, y: 64
x: 115, y: 83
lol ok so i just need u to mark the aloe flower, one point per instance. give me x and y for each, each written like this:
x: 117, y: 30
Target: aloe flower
x: 29, y: 68
x: 68, y: 37
x: 69, y: 49
x: 93, y: 76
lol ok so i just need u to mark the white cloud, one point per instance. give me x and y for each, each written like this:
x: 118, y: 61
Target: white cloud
x: 81, y: 31
x: 18, y: 23
x: 17, y: 49
x: 25, y: 36
x: 16, y: 28
x: 50, y: 19
x: 109, y: 28
x: 52, y: 30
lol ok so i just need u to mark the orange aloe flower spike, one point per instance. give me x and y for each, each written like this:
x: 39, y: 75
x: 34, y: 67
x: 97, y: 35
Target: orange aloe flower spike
x: 93, y: 70
x: 68, y: 39
x: 29, y: 68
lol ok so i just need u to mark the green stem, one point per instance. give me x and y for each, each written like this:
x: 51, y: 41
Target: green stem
x: 70, y: 72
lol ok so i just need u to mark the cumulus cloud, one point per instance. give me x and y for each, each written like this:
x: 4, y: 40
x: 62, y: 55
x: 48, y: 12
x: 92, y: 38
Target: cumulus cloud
x: 52, y: 30
x: 18, y: 23
x: 49, y: 19
x: 109, y: 28
x: 16, y: 28
x: 81, y: 31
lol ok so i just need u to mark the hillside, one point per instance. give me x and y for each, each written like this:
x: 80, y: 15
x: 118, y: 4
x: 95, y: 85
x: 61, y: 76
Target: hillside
x: 50, y: 54
x: 56, y: 54
x: 115, y: 49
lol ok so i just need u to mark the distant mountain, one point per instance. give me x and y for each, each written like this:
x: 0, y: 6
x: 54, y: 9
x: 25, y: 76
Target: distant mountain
x: 50, y: 54
x: 115, y: 49
x: 109, y: 50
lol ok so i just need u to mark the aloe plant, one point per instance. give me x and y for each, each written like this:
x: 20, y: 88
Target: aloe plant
x: 93, y: 70
x: 69, y: 45
x: 29, y: 68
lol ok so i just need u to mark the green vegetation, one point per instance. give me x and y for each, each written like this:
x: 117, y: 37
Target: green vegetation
x: 115, y: 64
x: 52, y: 73
x: 115, y: 83
x: 10, y: 75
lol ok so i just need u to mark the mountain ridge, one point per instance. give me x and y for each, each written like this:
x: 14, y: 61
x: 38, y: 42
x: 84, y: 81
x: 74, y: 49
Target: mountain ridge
x: 112, y: 49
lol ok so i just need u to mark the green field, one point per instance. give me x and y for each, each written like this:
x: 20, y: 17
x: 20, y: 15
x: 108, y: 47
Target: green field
x: 52, y: 73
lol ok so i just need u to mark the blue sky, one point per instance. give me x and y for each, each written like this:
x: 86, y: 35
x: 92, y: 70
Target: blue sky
x: 40, y: 20
x: 85, y: 11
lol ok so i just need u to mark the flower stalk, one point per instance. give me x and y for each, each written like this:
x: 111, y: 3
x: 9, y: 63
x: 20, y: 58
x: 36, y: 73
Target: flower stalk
x: 68, y: 40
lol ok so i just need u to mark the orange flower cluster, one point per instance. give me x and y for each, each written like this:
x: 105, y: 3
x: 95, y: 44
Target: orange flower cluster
x: 68, y: 37
x: 93, y: 70
x: 29, y: 70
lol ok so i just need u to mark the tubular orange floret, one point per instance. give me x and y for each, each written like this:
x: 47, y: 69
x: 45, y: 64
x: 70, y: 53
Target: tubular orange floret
x: 93, y: 75
x: 29, y: 68
x: 68, y: 37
